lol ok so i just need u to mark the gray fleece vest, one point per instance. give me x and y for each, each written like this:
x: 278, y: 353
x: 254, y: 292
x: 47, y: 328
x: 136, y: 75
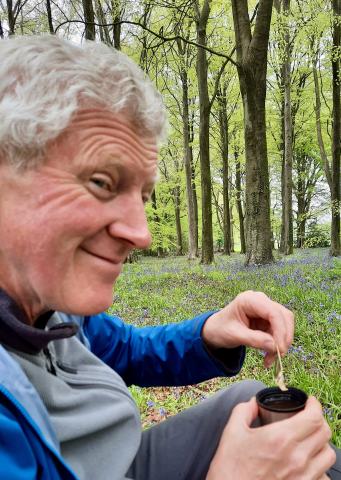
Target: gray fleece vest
x: 94, y: 416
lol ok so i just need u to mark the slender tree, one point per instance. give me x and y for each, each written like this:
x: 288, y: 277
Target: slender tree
x: 89, y: 18
x: 117, y: 10
x: 335, y: 249
x: 49, y: 16
x: 201, y: 20
x: 183, y: 51
x: 239, y: 201
x: 323, y: 153
x: 103, y: 27
x: 13, y: 11
x: 11, y: 17
x: 287, y: 242
x: 224, y: 147
x: 308, y: 172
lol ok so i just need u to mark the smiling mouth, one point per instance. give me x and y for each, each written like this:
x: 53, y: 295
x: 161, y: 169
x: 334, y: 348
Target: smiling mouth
x: 112, y: 261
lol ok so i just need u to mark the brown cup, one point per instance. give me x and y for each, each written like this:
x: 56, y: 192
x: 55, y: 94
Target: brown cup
x: 275, y: 405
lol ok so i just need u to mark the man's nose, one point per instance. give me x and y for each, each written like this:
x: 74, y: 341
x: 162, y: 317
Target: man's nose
x: 131, y: 224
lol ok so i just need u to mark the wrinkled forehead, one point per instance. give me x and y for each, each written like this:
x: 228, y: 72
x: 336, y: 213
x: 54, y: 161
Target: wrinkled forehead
x: 96, y: 134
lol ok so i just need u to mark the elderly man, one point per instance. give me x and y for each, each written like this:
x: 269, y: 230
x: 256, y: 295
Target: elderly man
x: 78, y: 147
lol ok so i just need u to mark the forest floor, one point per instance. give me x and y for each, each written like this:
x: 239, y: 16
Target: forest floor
x: 162, y: 290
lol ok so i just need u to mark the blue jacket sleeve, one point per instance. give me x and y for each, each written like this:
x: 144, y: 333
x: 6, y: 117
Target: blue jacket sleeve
x: 24, y: 454
x: 17, y: 459
x: 166, y: 355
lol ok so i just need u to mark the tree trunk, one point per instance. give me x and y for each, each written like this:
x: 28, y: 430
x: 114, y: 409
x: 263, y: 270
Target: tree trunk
x: 239, y: 204
x: 11, y: 17
x: 192, y: 229
x: 300, y: 195
x: 103, y: 29
x: 309, y: 172
x: 301, y: 227
x: 335, y: 249
x: 156, y: 219
x: 223, y: 123
x: 323, y: 153
x: 220, y: 220
x: 49, y: 16
x: 117, y: 12
x: 89, y: 18
x: 204, y: 131
x: 231, y: 229
x: 288, y: 240
x: 176, y: 196
x: 252, y: 66
x: 281, y: 242
x: 195, y: 196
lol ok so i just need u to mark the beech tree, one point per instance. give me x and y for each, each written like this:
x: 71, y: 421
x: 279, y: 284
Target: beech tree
x: 252, y: 67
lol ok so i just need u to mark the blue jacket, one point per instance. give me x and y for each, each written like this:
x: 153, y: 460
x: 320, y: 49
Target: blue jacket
x: 163, y: 355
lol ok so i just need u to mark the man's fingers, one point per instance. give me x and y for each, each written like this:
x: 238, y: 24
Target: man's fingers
x: 244, y: 414
x: 321, y: 463
x: 282, y: 325
x: 306, y: 422
x: 269, y: 359
x: 315, y: 442
x: 290, y: 319
x: 281, y: 320
x: 256, y: 339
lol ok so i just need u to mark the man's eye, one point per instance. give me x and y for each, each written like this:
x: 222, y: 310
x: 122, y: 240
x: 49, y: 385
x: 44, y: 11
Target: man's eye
x: 102, y: 184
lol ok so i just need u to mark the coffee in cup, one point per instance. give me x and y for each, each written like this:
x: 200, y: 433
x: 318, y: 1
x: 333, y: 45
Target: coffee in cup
x: 275, y: 404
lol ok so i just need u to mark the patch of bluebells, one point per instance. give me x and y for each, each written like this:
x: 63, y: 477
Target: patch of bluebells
x: 300, y: 353
x: 283, y: 279
x: 333, y: 316
x: 328, y: 412
x: 324, y: 286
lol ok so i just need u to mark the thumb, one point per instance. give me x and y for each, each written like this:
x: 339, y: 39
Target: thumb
x: 244, y: 413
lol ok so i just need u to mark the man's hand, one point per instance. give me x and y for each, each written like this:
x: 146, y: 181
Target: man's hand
x: 292, y: 449
x: 254, y: 320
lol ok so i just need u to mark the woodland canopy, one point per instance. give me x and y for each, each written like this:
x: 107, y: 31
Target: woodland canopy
x: 252, y: 90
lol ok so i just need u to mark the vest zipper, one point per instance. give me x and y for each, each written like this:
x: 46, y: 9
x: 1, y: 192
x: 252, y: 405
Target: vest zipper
x: 49, y: 362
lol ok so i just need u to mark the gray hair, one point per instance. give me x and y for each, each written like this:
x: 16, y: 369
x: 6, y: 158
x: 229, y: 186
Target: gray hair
x: 45, y: 80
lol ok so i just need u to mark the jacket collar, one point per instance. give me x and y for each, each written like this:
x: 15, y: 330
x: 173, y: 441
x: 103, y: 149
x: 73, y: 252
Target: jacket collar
x: 16, y: 332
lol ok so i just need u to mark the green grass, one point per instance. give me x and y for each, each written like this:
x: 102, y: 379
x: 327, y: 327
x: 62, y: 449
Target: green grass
x: 157, y: 291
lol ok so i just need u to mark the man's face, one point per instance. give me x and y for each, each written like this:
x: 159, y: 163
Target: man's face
x: 67, y: 226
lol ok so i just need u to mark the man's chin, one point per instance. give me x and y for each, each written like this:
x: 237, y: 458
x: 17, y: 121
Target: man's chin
x: 91, y: 304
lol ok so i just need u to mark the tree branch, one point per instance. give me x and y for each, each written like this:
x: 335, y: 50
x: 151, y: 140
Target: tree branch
x: 158, y: 35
